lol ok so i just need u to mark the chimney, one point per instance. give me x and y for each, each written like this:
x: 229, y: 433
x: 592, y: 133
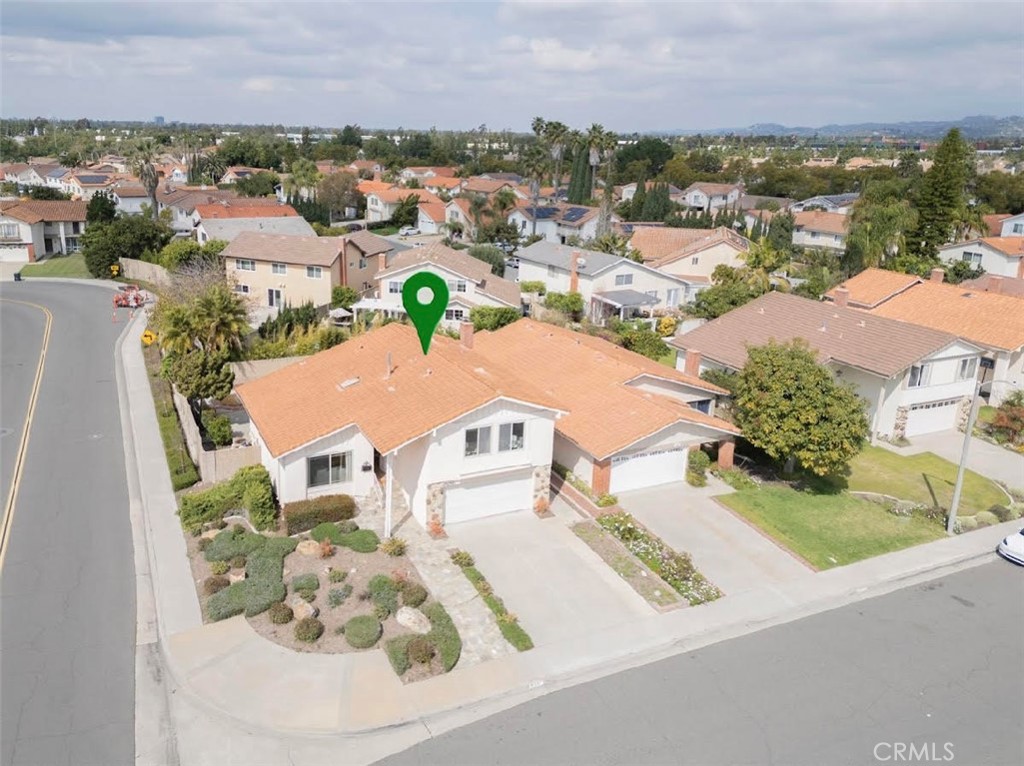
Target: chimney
x: 692, y: 364
x: 466, y: 334
x: 842, y: 296
x: 382, y: 261
x: 574, y: 276
x: 937, y: 275
x: 995, y: 283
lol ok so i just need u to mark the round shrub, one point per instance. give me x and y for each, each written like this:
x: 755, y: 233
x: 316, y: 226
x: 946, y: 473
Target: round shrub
x: 986, y: 518
x: 215, y: 584
x: 337, y: 575
x: 305, y: 582
x: 1002, y: 512
x: 203, y: 544
x: 393, y: 546
x: 462, y: 558
x: 307, y: 594
x: 219, y: 567
x: 381, y: 612
x: 413, y: 594
x: 967, y: 523
x: 309, y: 629
x: 363, y: 631
x: 347, y: 526
x: 280, y: 613
x: 238, y: 562
x: 698, y: 460
x: 420, y: 650
x: 361, y: 541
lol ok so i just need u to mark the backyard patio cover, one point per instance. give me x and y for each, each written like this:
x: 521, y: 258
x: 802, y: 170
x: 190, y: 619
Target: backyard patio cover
x: 626, y: 299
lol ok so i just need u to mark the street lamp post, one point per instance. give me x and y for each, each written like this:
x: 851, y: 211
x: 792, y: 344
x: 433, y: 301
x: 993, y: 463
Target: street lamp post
x: 986, y: 364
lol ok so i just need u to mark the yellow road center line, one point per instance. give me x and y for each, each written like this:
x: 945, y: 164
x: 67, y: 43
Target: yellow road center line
x: 19, y: 462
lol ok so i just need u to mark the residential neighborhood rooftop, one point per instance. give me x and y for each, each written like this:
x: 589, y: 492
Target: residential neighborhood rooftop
x: 282, y: 248
x: 874, y: 286
x: 229, y: 228
x: 818, y: 220
x: 457, y: 262
x: 241, y: 209
x: 34, y: 211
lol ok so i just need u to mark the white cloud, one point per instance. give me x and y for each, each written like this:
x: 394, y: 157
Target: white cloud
x: 266, y: 84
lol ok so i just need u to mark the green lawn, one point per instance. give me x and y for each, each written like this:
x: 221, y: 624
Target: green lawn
x: 183, y: 471
x: 986, y: 413
x: 829, y: 530
x: 924, y: 478
x: 669, y: 358
x: 71, y: 266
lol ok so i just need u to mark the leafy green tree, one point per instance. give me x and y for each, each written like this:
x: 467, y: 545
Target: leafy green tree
x: 579, y: 179
x: 260, y: 184
x: 645, y: 341
x: 1001, y: 192
x: 794, y: 409
x: 960, y: 271
x: 101, y: 209
x: 493, y: 317
x: 613, y: 243
x: 942, y: 192
x: 878, y: 226
x: 657, y: 206
x: 343, y: 296
x: 47, y: 193
x: 304, y: 177
x: 570, y: 304
x: 132, y: 236
x: 338, y: 192
x: 636, y: 205
x: 491, y: 255
x: 142, y: 161
x: 730, y: 289
x: 200, y: 375
x: 656, y: 151
x: 407, y: 213
x: 179, y: 252
x: 780, y: 232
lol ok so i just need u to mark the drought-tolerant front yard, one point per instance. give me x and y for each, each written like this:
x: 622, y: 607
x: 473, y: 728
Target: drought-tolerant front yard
x: 830, y: 529
x: 923, y: 478
x: 68, y: 266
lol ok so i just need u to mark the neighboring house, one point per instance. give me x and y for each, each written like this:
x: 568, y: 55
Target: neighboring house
x: 130, y: 199
x: 631, y: 421
x: 233, y: 174
x: 991, y: 283
x: 512, y: 178
x: 174, y: 172
x: 627, y: 192
x: 829, y: 203
x: 914, y: 380
x: 691, y: 254
x: 1012, y: 226
x: 609, y: 284
x: 366, y: 254
x: 432, y: 218
x: 84, y: 185
x: 1003, y: 256
x: 557, y: 223
x: 423, y: 174
x: 274, y: 269
x: 756, y: 203
x: 381, y: 205
x: 57, y: 178
x: 456, y: 216
x: 240, y: 208
x: 14, y: 170
x: 367, y: 186
x: 442, y: 185
x: 34, y: 229
x: 815, y: 229
x: 478, y: 185
x: 450, y: 436
x: 228, y: 228
x: 708, y: 196
x: 470, y: 283
x: 37, y: 175
x: 369, y: 166
x: 993, y: 321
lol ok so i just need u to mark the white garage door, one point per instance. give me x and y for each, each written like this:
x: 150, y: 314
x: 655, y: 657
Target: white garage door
x: 929, y: 417
x: 487, y: 497
x: 648, y: 469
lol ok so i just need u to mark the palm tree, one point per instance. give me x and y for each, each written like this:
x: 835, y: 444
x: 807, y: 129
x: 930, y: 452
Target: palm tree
x: 503, y: 203
x: 556, y: 134
x: 595, y: 146
x: 304, y: 177
x: 968, y: 221
x: 478, y: 209
x: 177, y: 328
x: 608, y: 144
x: 538, y: 126
x: 535, y: 165
x: 220, y: 319
x: 143, y: 166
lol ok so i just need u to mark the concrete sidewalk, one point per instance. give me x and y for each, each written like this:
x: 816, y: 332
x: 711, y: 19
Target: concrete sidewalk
x: 234, y: 675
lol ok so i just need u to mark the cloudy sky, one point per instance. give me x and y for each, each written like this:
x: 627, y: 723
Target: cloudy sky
x: 631, y: 66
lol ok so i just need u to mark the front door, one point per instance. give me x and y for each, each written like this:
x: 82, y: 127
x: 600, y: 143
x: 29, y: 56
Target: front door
x: 273, y: 297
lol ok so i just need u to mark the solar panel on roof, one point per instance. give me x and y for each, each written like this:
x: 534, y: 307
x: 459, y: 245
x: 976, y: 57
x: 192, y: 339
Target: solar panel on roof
x: 574, y: 214
x: 546, y: 212
x: 93, y: 179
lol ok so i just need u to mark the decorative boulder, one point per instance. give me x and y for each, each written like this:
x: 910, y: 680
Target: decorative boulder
x: 308, y: 548
x: 413, y: 619
x: 302, y: 608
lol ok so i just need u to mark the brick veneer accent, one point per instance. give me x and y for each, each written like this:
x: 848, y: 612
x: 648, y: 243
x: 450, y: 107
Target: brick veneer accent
x: 602, y: 478
x: 726, y: 450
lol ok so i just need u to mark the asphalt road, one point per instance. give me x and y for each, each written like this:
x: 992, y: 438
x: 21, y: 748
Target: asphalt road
x: 928, y: 665
x: 67, y: 639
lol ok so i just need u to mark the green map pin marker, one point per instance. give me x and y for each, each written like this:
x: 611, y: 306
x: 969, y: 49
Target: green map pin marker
x: 425, y: 316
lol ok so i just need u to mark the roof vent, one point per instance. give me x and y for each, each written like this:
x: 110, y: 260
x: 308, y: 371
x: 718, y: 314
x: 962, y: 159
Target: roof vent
x: 824, y: 327
x: 760, y: 310
x: 967, y: 295
x: 862, y: 323
x: 347, y: 383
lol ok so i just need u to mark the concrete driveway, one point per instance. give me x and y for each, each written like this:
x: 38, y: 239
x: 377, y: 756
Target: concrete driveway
x: 728, y: 551
x: 984, y: 458
x: 547, y: 576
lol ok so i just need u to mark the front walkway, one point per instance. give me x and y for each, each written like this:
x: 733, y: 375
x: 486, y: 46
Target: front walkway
x: 982, y: 457
x: 728, y: 551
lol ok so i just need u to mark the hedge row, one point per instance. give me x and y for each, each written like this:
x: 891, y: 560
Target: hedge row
x: 249, y: 489
x: 303, y: 515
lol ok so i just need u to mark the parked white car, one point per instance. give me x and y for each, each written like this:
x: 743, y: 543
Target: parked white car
x: 1012, y: 547
x: 408, y: 231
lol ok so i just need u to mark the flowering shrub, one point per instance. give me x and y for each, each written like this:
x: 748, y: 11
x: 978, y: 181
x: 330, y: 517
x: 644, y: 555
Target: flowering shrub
x: 674, y: 568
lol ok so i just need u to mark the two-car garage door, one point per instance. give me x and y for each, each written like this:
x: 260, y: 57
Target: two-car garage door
x: 488, y: 496
x: 647, y: 469
x: 929, y: 417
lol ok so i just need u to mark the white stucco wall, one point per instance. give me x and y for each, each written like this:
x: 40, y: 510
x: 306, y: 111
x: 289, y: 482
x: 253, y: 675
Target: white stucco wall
x: 703, y: 264
x: 992, y: 261
x: 644, y: 281
x: 572, y: 457
x: 290, y: 472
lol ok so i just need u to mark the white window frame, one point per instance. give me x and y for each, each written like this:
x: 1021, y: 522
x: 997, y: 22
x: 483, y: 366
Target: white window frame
x: 456, y: 285
x: 695, y: 260
x: 339, y: 469
x: 244, y: 264
x: 243, y: 289
x: 1018, y: 228
x: 395, y: 287
x: 971, y: 257
x: 74, y: 244
x: 278, y: 268
x: 924, y: 373
x: 482, y: 436
x: 672, y: 298
x: 967, y: 369
x: 623, y: 280
x: 314, y: 272
x: 454, y: 315
x: 10, y: 230
x: 508, y: 439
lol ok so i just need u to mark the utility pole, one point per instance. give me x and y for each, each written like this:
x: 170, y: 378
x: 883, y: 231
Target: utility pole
x: 984, y: 364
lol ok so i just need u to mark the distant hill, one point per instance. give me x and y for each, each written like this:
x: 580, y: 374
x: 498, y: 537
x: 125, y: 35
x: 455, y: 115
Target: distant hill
x: 981, y: 126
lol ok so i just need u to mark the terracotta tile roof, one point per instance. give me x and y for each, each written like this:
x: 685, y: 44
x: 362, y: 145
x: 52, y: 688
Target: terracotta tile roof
x: 986, y: 318
x: 285, y: 248
x: 657, y: 242
x: 458, y: 262
x: 712, y: 189
x: 131, y: 190
x: 590, y: 375
x: 372, y: 187
x: 34, y: 211
x: 435, y: 211
x: 1011, y: 246
x: 242, y: 209
x: 369, y: 243
x: 991, y: 283
x: 994, y: 223
x: 817, y: 220
x: 393, y: 195
x: 874, y: 286
x: 348, y: 385
x: 856, y: 338
x: 363, y: 164
x: 485, y: 186
x: 441, y: 182
x: 721, y: 235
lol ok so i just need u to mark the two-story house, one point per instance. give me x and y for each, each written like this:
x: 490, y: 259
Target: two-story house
x: 708, y: 196
x: 691, y: 254
x: 1002, y: 256
x: 470, y: 283
x: 1011, y: 226
x: 381, y: 205
x: 558, y: 223
x: 816, y: 229
x: 83, y: 185
x: 274, y: 269
x: 609, y: 284
x: 130, y: 199
x: 33, y: 229
x: 828, y: 203
x: 913, y: 380
x: 237, y: 172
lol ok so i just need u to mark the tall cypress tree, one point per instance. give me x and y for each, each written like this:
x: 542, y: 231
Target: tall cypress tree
x: 578, y: 188
x: 658, y: 205
x: 636, y: 209
x: 942, y: 193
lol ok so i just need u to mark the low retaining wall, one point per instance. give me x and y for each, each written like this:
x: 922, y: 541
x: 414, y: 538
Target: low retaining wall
x: 146, y: 272
x: 214, y: 465
x: 577, y: 500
